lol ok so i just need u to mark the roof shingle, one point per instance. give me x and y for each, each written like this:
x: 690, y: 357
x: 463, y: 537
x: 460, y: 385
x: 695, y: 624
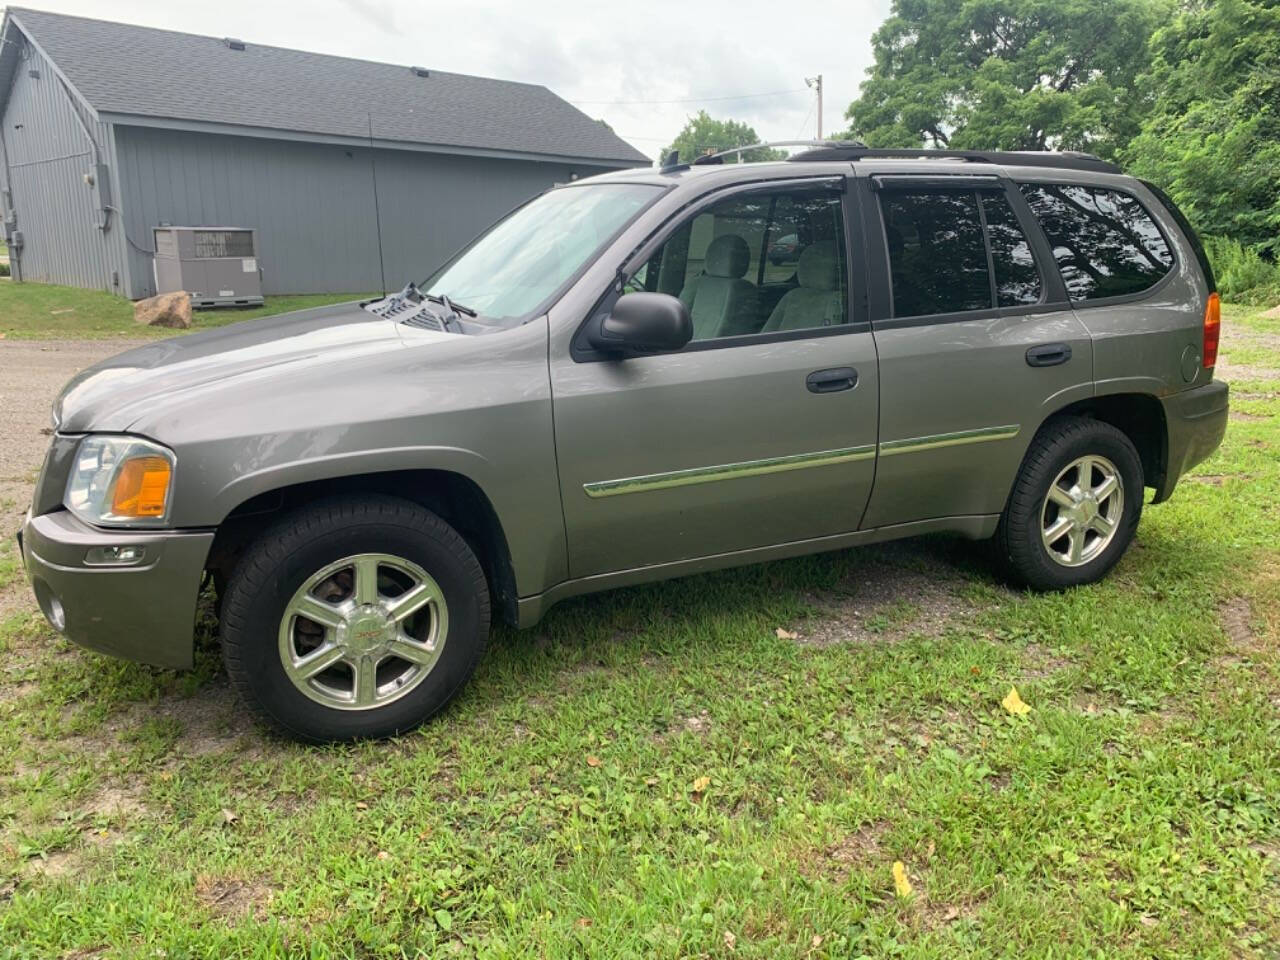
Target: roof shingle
x: 142, y: 71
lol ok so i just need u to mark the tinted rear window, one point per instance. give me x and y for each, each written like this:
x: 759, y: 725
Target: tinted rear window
x: 1105, y: 243
x: 937, y: 257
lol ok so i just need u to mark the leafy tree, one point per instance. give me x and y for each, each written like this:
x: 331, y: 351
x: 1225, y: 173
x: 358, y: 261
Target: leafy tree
x: 1212, y: 136
x: 1006, y: 74
x: 704, y: 134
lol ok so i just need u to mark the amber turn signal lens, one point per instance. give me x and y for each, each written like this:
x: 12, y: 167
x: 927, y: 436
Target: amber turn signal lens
x: 1212, y: 329
x: 142, y: 488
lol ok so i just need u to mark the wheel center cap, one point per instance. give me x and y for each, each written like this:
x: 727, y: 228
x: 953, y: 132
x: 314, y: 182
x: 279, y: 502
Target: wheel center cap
x: 367, y: 630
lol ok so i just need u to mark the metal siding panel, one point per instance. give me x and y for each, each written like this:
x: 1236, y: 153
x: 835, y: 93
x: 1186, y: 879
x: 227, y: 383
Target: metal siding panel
x: 313, y: 204
x: 49, y: 154
x: 434, y: 205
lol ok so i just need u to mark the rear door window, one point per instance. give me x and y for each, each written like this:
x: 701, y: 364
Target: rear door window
x: 1105, y: 242
x: 937, y: 256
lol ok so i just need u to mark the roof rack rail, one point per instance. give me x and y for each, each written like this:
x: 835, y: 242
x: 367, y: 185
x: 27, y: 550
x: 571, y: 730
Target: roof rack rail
x: 671, y: 161
x: 1063, y: 160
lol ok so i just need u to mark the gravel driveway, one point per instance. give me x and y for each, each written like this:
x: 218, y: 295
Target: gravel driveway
x: 31, y: 374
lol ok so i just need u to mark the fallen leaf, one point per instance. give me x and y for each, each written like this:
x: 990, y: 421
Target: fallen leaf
x: 584, y: 922
x: 784, y: 634
x: 650, y: 781
x: 361, y: 805
x: 229, y: 816
x: 383, y: 855
x: 816, y: 942
x: 700, y: 785
x: 730, y: 940
x: 900, y: 882
x: 1014, y: 703
x: 953, y: 913
x: 1147, y: 920
x: 593, y: 760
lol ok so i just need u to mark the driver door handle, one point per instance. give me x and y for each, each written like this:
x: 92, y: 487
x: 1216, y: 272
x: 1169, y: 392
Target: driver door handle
x: 1048, y: 354
x: 832, y: 380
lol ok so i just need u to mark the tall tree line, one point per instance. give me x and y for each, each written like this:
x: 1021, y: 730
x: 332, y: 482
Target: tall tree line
x: 1184, y: 92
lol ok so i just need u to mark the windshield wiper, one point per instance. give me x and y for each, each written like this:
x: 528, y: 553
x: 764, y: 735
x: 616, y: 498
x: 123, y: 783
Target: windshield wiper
x: 451, y: 305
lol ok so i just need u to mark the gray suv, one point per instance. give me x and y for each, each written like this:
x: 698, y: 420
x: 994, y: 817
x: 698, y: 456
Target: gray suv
x: 617, y: 383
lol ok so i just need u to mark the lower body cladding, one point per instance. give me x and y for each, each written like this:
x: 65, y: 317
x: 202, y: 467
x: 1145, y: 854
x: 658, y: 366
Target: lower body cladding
x: 130, y: 594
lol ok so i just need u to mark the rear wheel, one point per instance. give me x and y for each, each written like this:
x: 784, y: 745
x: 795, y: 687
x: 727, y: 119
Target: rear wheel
x: 354, y: 618
x: 1074, y: 507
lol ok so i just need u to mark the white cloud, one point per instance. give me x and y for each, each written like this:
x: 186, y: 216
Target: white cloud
x: 656, y: 50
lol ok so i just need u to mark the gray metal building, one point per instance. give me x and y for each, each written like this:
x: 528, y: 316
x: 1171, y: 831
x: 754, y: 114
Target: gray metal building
x: 357, y: 176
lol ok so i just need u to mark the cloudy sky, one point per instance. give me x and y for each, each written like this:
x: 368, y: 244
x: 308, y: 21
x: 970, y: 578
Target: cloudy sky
x: 714, y: 55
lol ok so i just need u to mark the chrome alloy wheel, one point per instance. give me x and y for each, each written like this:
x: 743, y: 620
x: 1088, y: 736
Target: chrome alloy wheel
x: 1081, y: 512
x: 363, y: 631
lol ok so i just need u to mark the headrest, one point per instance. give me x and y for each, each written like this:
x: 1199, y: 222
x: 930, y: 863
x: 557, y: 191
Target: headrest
x: 817, y: 268
x: 727, y: 256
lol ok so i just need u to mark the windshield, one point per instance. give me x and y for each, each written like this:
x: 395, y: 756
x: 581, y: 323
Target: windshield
x: 521, y: 261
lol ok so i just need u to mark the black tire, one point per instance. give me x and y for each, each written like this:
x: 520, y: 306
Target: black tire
x: 282, y: 559
x: 1018, y: 544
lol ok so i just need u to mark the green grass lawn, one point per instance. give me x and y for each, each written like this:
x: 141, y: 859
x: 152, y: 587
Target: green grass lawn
x: 657, y: 772
x: 37, y: 311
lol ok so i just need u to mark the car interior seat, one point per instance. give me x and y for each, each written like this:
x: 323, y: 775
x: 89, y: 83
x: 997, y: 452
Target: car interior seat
x: 721, y: 303
x: 816, y: 302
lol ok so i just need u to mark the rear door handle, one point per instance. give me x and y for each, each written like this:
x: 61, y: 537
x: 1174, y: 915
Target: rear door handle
x: 1048, y: 354
x: 832, y: 380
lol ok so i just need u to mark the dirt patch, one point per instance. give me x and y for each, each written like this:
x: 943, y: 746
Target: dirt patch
x: 901, y: 589
x: 1041, y: 662
x: 699, y: 724
x: 859, y: 850
x: 229, y: 898
x: 116, y: 802
x: 1209, y: 479
x: 1243, y: 417
x: 55, y: 864
x: 1236, y: 372
x: 1236, y: 616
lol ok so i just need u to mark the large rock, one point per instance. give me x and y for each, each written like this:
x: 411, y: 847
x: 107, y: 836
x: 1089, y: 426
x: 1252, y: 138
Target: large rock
x: 166, y: 310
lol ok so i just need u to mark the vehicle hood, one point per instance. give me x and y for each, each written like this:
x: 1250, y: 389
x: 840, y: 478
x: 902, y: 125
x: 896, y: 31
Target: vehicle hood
x: 114, y: 394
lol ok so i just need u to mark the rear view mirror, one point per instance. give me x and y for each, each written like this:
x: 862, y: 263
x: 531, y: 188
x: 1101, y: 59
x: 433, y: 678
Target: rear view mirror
x: 644, y: 323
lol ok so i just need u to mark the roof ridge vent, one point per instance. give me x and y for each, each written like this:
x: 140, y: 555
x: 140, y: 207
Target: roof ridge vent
x: 420, y: 71
x: 231, y: 43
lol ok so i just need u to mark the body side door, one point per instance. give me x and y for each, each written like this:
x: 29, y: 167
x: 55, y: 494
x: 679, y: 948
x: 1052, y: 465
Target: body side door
x: 732, y: 442
x: 976, y: 340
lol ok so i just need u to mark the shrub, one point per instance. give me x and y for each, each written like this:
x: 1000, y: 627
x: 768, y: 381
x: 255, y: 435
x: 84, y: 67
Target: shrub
x: 1243, y: 274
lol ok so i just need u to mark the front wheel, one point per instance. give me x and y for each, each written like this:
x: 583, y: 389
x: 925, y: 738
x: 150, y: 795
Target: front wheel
x: 1074, y: 507
x: 354, y: 618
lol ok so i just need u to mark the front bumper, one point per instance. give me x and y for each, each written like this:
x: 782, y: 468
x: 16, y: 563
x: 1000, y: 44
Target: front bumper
x: 1196, y: 421
x: 144, y: 612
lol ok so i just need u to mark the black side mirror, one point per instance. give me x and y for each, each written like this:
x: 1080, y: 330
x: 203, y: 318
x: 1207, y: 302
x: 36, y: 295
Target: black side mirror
x: 644, y: 323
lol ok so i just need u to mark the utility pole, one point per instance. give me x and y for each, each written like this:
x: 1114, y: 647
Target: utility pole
x: 815, y: 83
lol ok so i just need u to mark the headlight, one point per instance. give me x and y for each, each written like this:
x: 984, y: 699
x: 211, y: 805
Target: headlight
x: 120, y: 481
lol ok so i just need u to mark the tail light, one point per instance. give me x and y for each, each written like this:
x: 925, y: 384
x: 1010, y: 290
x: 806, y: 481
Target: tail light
x: 1212, y: 328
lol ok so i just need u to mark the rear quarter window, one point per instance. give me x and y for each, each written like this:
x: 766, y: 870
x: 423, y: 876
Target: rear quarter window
x: 1105, y: 242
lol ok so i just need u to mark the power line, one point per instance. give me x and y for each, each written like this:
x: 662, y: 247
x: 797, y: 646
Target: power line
x: 745, y: 96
